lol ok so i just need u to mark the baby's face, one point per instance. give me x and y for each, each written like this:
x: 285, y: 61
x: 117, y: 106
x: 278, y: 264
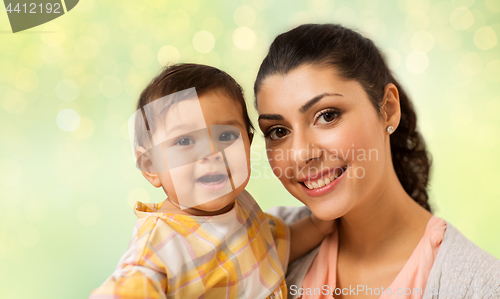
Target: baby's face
x: 206, y: 151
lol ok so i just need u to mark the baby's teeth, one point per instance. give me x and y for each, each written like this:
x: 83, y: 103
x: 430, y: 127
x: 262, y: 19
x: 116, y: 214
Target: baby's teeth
x: 315, y: 185
x: 321, y: 183
x: 309, y: 186
x: 332, y: 178
x: 327, y: 181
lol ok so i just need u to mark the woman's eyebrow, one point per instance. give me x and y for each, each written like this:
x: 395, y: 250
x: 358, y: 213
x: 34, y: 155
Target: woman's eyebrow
x: 271, y: 116
x: 314, y: 100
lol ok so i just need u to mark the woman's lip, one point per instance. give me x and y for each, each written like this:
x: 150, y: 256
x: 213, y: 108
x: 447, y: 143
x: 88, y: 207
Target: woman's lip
x: 322, y: 174
x: 325, y: 189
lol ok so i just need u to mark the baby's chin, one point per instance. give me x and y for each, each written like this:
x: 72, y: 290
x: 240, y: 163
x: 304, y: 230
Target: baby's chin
x: 222, y: 204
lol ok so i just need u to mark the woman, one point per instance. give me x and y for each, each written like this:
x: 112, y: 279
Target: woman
x: 341, y: 136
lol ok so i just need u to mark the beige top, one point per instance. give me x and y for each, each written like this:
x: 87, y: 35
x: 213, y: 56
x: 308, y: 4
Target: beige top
x: 409, y: 283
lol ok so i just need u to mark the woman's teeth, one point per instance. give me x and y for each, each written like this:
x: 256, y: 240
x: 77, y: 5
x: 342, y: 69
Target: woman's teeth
x: 323, y: 182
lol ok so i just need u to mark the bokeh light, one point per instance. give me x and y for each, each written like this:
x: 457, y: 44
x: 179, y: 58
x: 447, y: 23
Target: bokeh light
x: 485, y: 38
x: 461, y: 18
x: 244, y: 16
x: 422, y: 41
x: 168, y: 55
x: 68, y: 120
x: 417, y: 62
x: 244, y: 38
x: 203, y: 41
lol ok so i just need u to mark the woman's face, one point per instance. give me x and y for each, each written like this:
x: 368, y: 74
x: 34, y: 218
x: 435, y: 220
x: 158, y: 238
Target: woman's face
x: 324, y: 138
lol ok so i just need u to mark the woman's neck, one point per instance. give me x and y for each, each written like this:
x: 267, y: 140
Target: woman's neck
x: 388, y: 219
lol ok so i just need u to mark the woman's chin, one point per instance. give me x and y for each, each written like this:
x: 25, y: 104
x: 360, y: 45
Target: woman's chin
x: 326, y: 213
x: 327, y: 208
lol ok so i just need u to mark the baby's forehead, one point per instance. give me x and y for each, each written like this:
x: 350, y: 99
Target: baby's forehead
x: 181, y: 118
x: 210, y: 107
x: 187, y: 111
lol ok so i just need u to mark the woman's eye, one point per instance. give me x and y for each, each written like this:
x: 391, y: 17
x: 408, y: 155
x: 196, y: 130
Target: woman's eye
x: 327, y: 117
x: 228, y: 136
x: 184, y: 141
x: 277, y: 133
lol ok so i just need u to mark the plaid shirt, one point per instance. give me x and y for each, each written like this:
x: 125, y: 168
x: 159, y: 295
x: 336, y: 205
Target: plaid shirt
x: 240, y: 254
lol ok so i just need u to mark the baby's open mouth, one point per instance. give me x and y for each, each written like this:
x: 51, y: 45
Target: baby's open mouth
x: 212, y: 179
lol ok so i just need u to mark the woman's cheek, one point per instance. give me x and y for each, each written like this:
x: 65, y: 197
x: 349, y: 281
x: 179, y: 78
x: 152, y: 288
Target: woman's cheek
x: 278, y: 165
x: 338, y: 144
x: 275, y: 166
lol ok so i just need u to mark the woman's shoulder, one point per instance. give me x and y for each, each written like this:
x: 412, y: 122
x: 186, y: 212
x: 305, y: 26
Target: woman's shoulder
x: 456, y: 247
x: 462, y: 266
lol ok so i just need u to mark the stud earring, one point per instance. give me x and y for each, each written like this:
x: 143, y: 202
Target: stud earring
x: 390, y: 129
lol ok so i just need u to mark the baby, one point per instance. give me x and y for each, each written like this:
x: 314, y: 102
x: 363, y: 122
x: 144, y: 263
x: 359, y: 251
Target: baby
x: 191, y: 135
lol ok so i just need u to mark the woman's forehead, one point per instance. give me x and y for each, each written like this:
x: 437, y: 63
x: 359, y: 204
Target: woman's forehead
x: 302, y: 84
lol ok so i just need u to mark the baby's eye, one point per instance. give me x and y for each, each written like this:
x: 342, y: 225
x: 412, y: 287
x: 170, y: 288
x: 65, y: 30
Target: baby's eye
x: 228, y: 136
x: 327, y: 117
x: 184, y: 141
x: 277, y: 133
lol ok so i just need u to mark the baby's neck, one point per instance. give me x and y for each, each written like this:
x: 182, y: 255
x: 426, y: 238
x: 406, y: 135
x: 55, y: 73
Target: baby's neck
x: 169, y: 207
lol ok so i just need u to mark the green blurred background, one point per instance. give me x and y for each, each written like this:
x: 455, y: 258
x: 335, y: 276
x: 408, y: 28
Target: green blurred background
x: 67, y: 88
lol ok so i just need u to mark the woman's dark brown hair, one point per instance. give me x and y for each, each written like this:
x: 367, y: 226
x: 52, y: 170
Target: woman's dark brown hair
x: 356, y: 58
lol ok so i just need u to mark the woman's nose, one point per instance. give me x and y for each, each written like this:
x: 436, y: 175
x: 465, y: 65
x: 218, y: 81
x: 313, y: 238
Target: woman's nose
x: 303, y: 151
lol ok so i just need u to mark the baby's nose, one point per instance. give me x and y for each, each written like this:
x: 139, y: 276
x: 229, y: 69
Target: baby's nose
x: 214, y: 158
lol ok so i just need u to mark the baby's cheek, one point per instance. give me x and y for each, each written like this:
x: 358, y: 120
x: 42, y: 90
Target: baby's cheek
x: 166, y: 182
x: 181, y: 180
x: 237, y: 157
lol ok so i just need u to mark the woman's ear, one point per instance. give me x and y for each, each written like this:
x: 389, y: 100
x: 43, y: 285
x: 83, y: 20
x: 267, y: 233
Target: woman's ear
x: 145, y: 165
x: 391, y: 110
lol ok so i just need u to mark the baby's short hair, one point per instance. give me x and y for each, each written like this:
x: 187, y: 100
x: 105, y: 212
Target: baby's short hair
x: 182, y: 76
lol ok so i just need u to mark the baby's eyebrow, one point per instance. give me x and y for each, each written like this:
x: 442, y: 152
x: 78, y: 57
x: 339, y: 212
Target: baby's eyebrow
x: 182, y: 126
x: 232, y: 122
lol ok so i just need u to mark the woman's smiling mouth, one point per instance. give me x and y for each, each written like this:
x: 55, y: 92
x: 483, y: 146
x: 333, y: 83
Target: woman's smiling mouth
x: 320, y: 184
